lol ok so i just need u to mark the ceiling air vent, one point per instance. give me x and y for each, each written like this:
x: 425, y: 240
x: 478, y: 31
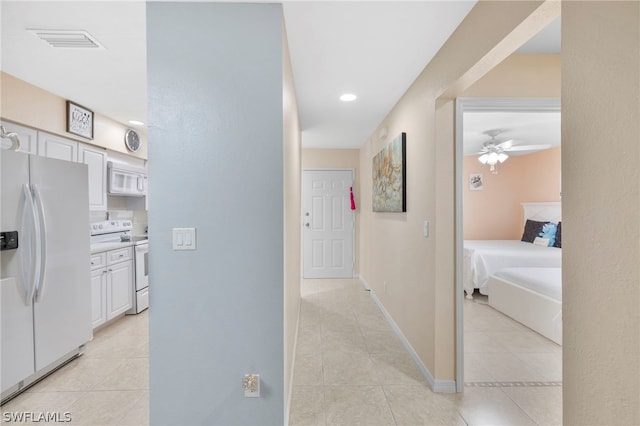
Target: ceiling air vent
x: 77, y: 39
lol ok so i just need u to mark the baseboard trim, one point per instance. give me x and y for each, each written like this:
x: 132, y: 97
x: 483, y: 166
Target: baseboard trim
x: 436, y: 385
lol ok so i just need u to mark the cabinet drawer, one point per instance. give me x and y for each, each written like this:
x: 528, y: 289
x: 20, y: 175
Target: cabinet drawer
x: 120, y: 255
x: 98, y: 260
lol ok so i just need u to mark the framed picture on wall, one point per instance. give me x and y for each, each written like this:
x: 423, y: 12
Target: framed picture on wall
x: 476, y: 182
x: 79, y: 120
x: 390, y: 177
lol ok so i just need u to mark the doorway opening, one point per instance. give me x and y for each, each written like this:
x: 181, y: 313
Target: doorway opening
x: 498, y: 347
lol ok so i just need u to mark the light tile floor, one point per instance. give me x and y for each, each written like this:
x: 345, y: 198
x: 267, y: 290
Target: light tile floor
x: 351, y: 369
x: 107, y: 385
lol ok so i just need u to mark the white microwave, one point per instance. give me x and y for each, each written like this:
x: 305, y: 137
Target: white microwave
x: 126, y: 180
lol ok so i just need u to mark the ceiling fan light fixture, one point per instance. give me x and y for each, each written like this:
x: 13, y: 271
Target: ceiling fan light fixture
x: 492, y: 157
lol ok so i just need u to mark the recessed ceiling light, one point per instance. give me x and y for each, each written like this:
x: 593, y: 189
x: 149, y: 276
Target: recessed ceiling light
x: 136, y: 122
x: 348, y: 97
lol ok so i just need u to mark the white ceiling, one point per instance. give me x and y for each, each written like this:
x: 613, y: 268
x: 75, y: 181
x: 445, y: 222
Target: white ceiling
x: 373, y: 49
x: 524, y: 128
x: 110, y: 81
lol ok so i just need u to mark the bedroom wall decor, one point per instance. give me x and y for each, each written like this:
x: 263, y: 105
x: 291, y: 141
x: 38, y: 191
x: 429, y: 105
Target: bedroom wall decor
x: 389, y: 177
x: 475, y: 182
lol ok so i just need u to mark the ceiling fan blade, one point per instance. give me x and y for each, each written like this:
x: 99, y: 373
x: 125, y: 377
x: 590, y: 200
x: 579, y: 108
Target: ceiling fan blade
x: 528, y: 147
x: 506, y: 144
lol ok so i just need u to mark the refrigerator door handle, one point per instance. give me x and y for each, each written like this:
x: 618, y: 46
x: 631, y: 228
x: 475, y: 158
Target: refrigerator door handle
x: 29, y: 265
x: 42, y: 238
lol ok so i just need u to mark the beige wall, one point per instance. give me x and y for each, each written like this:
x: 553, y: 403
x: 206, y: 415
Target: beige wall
x: 541, y: 74
x: 292, y: 165
x: 601, y: 211
x: 420, y: 272
x: 31, y: 106
x: 313, y: 158
x: 330, y: 158
x: 495, y: 213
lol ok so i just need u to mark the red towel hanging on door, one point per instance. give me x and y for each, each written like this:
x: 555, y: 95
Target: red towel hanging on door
x: 353, y: 202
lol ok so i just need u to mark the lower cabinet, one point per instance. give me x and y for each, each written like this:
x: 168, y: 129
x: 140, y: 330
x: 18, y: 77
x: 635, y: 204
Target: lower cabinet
x: 98, y: 297
x: 111, y: 284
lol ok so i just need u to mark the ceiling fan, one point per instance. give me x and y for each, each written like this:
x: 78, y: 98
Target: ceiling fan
x: 494, y: 151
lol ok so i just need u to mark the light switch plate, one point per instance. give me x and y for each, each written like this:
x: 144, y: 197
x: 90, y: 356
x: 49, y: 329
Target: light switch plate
x: 184, y: 238
x: 425, y: 228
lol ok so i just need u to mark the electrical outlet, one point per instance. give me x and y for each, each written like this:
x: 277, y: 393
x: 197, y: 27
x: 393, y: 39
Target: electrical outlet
x: 251, y: 385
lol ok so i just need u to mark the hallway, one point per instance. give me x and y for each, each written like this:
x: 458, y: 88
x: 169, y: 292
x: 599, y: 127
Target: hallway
x: 351, y: 369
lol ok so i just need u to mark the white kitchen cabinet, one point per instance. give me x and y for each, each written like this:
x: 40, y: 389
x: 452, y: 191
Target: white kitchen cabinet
x: 119, y: 289
x: 98, y: 294
x: 54, y: 146
x: 96, y: 160
x: 28, y: 137
x: 112, y: 277
x: 98, y: 289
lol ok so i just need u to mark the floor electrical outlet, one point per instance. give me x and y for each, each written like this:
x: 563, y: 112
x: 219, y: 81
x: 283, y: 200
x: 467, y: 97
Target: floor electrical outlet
x: 251, y: 385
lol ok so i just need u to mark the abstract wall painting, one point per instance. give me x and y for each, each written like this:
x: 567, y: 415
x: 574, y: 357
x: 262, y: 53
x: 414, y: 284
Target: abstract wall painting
x: 390, y: 176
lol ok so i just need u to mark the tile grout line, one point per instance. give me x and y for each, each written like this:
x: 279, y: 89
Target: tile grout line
x: 513, y: 384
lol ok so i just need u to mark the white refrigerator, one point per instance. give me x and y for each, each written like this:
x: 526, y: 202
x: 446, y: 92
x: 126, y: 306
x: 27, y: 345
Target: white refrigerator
x: 46, y: 293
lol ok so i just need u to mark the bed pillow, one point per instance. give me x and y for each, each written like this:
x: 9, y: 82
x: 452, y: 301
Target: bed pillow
x: 534, y: 229
x: 549, y: 232
x: 558, y: 241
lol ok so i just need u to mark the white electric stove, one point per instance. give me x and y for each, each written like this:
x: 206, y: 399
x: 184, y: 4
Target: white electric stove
x: 119, y: 231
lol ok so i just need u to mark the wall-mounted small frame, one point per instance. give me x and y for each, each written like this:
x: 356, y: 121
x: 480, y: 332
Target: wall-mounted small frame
x: 476, y: 183
x: 79, y: 120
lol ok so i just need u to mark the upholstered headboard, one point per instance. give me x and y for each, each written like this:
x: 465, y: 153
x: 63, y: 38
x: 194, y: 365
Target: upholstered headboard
x: 543, y: 212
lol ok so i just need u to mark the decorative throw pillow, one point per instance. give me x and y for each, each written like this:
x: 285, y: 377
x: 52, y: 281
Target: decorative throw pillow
x: 532, y: 229
x: 558, y: 241
x: 549, y: 232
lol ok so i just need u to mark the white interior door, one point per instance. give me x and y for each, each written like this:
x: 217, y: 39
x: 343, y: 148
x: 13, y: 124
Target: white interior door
x: 327, y: 224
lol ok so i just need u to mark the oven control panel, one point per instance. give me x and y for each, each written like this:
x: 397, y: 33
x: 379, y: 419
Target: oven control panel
x: 111, y: 226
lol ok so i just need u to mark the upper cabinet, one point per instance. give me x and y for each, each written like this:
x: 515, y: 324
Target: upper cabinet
x: 45, y: 144
x: 28, y: 137
x: 96, y: 160
x: 53, y: 146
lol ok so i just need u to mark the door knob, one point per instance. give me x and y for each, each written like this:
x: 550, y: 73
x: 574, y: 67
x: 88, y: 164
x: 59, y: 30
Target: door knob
x: 306, y: 214
x: 306, y: 224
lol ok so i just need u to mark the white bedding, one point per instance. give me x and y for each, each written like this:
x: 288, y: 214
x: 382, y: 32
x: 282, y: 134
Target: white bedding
x: 547, y: 281
x: 482, y: 258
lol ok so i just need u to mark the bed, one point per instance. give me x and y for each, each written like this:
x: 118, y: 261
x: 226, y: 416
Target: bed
x: 531, y: 296
x: 482, y: 258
